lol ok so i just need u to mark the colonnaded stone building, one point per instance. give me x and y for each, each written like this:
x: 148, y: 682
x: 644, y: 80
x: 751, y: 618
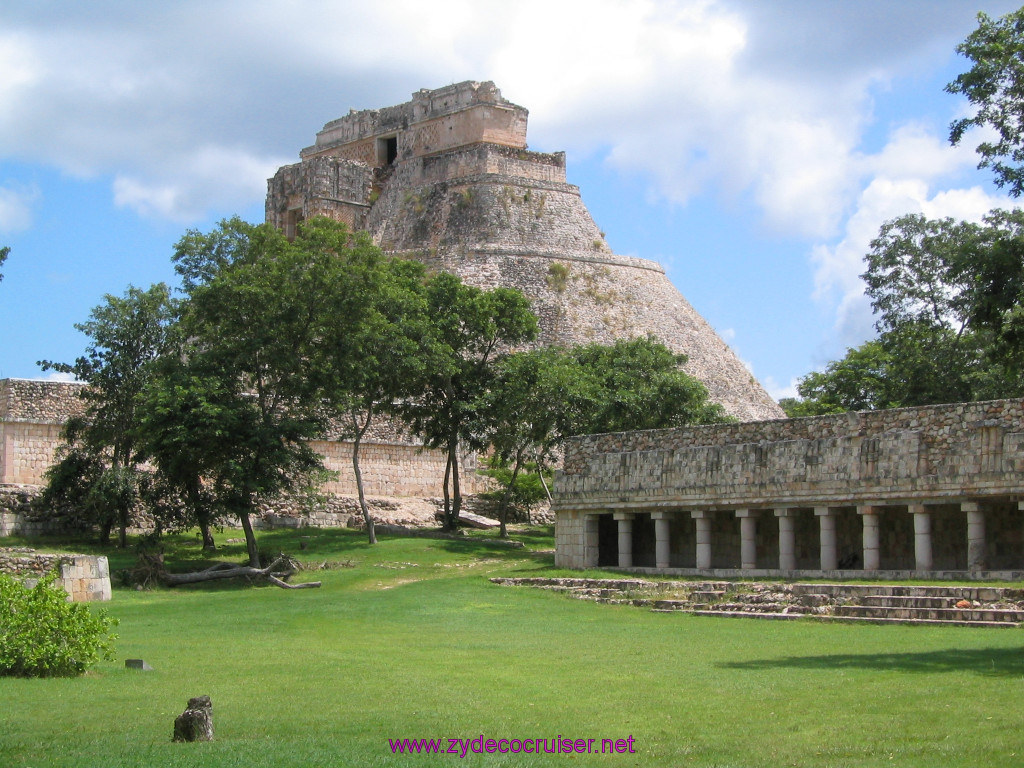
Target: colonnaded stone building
x: 446, y: 178
x: 933, y: 491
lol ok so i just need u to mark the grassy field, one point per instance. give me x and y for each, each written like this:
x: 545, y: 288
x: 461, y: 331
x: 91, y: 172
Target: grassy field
x: 413, y: 641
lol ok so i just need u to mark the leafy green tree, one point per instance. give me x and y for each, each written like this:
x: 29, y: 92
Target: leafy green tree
x: 536, y: 399
x: 42, y: 634
x: 641, y: 385
x: 242, y: 394
x: 949, y: 297
x: 4, y: 253
x: 540, y: 397
x: 99, y: 465
x: 470, y: 327
x: 376, y: 344
x: 994, y: 85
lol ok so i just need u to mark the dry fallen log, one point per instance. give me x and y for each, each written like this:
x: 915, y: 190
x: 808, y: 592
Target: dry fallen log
x: 229, y: 571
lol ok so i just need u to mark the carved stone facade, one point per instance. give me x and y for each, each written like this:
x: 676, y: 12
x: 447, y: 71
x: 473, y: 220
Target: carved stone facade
x: 935, y: 489
x: 447, y: 178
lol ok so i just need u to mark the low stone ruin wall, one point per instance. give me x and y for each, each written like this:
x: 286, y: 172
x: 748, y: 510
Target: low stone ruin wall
x: 85, y: 578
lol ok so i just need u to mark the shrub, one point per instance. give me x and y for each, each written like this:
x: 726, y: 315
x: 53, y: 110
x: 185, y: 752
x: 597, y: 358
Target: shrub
x: 42, y: 634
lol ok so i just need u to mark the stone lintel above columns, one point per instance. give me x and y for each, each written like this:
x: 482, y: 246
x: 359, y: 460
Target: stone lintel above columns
x: 824, y: 511
x: 970, y: 506
x: 701, y: 514
x: 663, y: 514
x: 867, y: 509
x: 786, y: 512
x: 745, y: 513
x: 624, y: 515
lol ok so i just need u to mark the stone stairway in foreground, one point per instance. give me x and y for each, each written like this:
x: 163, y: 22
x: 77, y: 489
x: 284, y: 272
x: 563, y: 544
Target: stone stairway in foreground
x: 936, y: 605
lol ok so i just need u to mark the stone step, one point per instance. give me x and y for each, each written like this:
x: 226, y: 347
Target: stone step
x: 854, y: 619
x: 706, y: 595
x: 905, y: 601
x: 920, y: 622
x: 737, y: 614
x: 983, y: 594
x: 943, y: 614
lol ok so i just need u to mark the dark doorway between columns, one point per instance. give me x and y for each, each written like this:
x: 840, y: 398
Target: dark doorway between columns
x: 683, y: 541
x: 849, y: 538
x: 607, y: 541
x: 895, y: 539
x: 643, y: 541
x: 1004, y: 535
x: 949, y: 537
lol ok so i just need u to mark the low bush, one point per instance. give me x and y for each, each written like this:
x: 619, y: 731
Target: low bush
x: 42, y: 634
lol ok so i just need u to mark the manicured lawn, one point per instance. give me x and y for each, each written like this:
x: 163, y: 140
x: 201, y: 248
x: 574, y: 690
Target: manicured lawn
x: 414, y: 642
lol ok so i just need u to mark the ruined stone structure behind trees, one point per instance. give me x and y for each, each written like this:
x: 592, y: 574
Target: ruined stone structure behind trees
x: 447, y: 179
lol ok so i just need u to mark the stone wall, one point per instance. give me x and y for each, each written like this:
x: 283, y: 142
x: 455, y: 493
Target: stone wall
x: 85, y: 578
x: 393, y: 462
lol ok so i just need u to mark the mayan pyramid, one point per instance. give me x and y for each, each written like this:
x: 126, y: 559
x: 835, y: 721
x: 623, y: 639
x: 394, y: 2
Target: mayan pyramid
x: 447, y: 179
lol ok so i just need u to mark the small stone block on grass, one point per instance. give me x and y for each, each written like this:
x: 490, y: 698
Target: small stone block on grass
x: 137, y: 664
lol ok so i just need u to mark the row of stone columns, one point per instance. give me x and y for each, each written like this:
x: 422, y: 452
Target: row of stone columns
x: 828, y: 549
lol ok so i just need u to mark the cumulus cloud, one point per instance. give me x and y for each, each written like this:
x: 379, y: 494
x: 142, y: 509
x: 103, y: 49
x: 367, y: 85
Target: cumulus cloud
x: 904, y: 177
x: 691, y: 94
x: 780, y: 391
x: 191, y: 105
x: 17, y: 202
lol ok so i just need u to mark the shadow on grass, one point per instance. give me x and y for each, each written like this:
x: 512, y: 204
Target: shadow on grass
x: 991, y: 662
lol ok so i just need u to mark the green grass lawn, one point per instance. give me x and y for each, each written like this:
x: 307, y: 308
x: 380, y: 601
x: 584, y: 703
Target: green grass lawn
x: 413, y: 641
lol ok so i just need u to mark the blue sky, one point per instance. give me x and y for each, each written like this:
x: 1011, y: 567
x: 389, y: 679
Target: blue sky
x: 753, y: 148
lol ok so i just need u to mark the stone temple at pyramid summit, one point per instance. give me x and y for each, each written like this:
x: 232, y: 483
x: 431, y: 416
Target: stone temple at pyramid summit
x: 447, y: 178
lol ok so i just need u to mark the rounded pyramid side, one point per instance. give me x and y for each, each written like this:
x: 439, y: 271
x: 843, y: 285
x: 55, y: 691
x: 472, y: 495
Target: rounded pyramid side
x: 525, y: 231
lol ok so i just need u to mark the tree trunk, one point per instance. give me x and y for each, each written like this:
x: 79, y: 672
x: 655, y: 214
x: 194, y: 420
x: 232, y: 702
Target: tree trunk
x: 250, y: 538
x: 105, y: 527
x: 453, y: 458
x: 122, y: 527
x: 444, y: 490
x: 359, y: 432
x: 503, y: 508
x: 202, y: 515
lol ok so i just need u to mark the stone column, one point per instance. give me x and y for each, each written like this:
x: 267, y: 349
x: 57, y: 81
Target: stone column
x: 591, y: 541
x: 975, y: 535
x: 625, y: 520
x: 827, y: 538
x: 748, y: 538
x: 662, y: 540
x: 869, y: 518
x: 922, y: 536
x: 787, y: 540
x: 703, y: 521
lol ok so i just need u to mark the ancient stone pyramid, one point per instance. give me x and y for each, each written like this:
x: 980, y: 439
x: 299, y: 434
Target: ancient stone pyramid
x: 447, y: 179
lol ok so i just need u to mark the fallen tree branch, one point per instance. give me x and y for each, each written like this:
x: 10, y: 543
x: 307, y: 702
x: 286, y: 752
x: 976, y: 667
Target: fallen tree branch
x: 228, y: 571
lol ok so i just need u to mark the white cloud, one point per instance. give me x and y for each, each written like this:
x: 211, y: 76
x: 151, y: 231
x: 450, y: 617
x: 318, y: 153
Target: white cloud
x: 16, y: 207
x: 906, y: 177
x: 189, y: 105
x: 58, y: 376
x: 779, y: 391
